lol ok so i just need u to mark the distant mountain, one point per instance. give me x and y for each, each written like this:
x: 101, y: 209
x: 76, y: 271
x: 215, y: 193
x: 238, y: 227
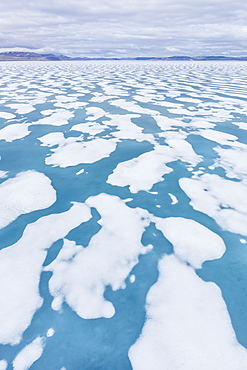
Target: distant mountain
x: 17, y: 56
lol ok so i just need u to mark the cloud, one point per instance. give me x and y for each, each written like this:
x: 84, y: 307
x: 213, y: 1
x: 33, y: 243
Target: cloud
x: 158, y: 27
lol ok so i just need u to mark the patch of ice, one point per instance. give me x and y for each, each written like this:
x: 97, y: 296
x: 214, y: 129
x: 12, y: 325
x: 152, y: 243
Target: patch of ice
x: 218, y: 136
x: 22, y: 108
x: 173, y: 198
x: 186, y: 318
x: 7, y: 115
x: 224, y: 200
x: 234, y: 161
x: 80, y: 275
x: 79, y: 172
x: 52, y: 139
x: 59, y: 118
x: 21, y: 266
x: 3, y: 174
x: 75, y: 153
x: 27, y: 192
x: 94, y: 113
x: 13, y: 132
x: 243, y: 241
x: 50, y: 332
x: 194, y: 243
x: 132, y: 279
x: 92, y: 128
x: 143, y: 172
x: 3, y: 364
x: 133, y: 107
x: 29, y: 354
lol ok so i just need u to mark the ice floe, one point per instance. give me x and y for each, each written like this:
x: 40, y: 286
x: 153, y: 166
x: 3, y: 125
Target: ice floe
x: 192, y: 242
x: 13, y: 132
x: 21, y: 266
x: 143, y: 172
x: 80, y: 275
x: 58, y: 118
x: 22, y: 108
x: 188, y: 326
x: 29, y: 354
x: 26, y: 192
x: 222, y: 199
x: 72, y: 154
x: 3, y: 364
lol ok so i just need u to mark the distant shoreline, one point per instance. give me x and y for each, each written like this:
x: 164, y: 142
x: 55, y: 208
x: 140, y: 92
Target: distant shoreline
x: 26, y: 56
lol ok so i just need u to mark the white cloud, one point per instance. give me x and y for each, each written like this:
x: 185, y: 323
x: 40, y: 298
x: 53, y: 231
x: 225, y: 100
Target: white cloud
x: 155, y: 27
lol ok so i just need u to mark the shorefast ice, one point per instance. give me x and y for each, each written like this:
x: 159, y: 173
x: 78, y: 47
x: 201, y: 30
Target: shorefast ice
x: 123, y: 196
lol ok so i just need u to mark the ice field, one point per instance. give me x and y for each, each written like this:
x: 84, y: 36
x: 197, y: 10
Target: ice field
x: 123, y: 222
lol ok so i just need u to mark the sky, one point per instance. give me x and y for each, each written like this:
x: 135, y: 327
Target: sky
x: 125, y: 28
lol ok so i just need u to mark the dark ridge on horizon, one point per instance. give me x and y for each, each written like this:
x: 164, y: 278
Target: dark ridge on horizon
x: 32, y: 56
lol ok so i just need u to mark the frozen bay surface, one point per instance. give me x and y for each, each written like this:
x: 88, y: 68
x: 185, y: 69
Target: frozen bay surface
x: 123, y: 224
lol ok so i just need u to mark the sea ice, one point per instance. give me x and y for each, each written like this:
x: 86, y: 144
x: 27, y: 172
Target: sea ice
x: 143, y: 172
x: 188, y: 326
x: 22, y: 108
x: 26, y: 192
x: 224, y: 200
x: 80, y: 275
x: 75, y: 153
x: 3, y: 364
x: 29, y: 354
x: 192, y: 242
x: 13, y: 132
x: 20, y: 269
x: 58, y: 118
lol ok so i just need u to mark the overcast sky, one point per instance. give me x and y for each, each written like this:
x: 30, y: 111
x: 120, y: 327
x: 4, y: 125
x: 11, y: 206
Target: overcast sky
x: 125, y: 27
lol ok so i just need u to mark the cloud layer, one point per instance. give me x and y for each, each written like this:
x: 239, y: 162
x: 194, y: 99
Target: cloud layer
x: 125, y: 28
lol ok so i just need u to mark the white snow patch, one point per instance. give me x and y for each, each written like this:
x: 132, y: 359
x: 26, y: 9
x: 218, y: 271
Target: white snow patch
x: 3, y: 364
x: 173, y: 198
x: 21, y: 266
x: 219, y: 137
x: 80, y: 275
x: 22, y: 108
x: 59, y: 118
x: 192, y: 242
x: 3, y: 174
x: 75, y: 153
x: 132, y: 279
x: 92, y: 128
x: 50, y: 332
x: 79, y: 172
x: 13, y: 132
x: 52, y: 139
x: 188, y: 326
x: 143, y: 172
x: 224, y: 200
x: 29, y: 354
x: 243, y: 241
x: 234, y: 161
x: 6, y: 115
x: 94, y: 113
x: 133, y: 107
x: 27, y: 192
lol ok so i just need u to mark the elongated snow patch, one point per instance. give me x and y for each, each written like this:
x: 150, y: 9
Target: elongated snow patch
x: 27, y: 192
x: 80, y: 275
x: 188, y: 326
x: 192, y: 242
x: 21, y: 266
x: 29, y: 354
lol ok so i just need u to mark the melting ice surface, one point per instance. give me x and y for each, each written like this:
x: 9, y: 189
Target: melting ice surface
x: 123, y: 224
